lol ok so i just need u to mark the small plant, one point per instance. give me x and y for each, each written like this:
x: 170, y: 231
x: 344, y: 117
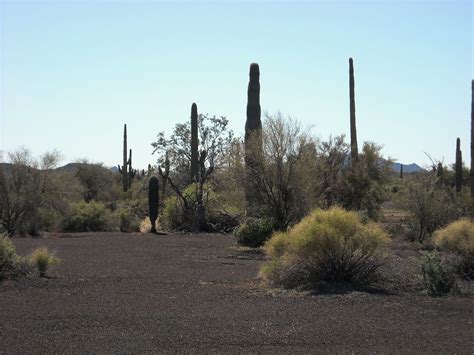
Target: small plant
x: 458, y: 238
x: 438, y: 278
x: 128, y: 222
x: 42, y: 258
x: 11, y: 265
x: 145, y: 225
x: 88, y: 217
x: 8, y: 257
x: 254, y: 232
x: 327, y: 247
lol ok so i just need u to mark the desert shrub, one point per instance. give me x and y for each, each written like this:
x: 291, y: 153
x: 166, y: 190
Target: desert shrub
x: 254, y: 232
x: 438, y: 277
x: 128, y: 222
x: 279, y: 186
x: 174, y: 214
x: 11, y: 264
x: 458, y: 238
x: 179, y: 213
x: 29, y: 185
x: 87, y: 217
x: 332, y: 246
x: 363, y: 185
x: 431, y: 205
x: 8, y: 257
x: 42, y: 258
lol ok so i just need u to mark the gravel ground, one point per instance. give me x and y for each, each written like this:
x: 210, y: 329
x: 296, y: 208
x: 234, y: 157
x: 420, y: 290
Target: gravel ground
x: 132, y: 293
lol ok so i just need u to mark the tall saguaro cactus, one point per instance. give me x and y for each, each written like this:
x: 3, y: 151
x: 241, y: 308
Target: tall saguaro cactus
x: 253, y: 123
x: 194, y: 144
x: 253, y: 133
x: 124, y: 169
x: 472, y: 144
x: 458, y: 166
x: 153, y: 201
x: 354, y: 149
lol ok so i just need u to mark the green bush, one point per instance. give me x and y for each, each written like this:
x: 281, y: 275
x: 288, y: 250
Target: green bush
x: 431, y: 205
x: 458, y: 238
x: 254, y: 232
x: 177, y: 215
x: 174, y: 215
x: 128, y: 221
x: 438, y: 277
x: 42, y: 258
x: 332, y: 246
x: 88, y: 217
x: 11, y: 264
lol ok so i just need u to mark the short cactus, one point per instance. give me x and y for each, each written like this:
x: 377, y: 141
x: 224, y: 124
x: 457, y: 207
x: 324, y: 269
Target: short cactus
x: 153, y: 201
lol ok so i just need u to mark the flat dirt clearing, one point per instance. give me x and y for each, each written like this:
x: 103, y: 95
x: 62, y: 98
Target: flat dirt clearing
x: 117, y: 293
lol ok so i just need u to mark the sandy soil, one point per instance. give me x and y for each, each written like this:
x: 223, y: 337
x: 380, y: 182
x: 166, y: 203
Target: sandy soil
x: 132, y: 293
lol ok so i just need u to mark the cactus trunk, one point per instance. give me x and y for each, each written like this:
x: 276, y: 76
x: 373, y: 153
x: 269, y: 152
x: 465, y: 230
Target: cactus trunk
x: 458, y: 166
x: 153, y: 201
x: 165, y: 176
x: 401, y: 171
x: 128, y: 173
x: 253, y: 136
x: 354, y: 149
x: 194, y: 143
x: 124, y: 169
x: 472, y: 144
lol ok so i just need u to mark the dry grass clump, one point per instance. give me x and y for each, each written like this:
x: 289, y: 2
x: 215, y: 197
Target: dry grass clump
x: 458, y: 238
x: 332, y: 246
x: 145, y: 225
x: 42, y: 258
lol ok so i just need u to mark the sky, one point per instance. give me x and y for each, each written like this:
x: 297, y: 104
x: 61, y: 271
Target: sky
x: 73, y: 72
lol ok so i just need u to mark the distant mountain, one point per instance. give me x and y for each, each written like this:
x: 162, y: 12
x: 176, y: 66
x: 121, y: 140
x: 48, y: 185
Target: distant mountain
x: 73, y: 167
x: 407, y: 168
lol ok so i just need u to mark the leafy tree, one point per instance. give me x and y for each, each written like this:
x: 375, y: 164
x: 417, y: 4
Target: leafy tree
x: 28, y: 187
x: 362, y: 187
x: 97, y: 181
x: 214, y: 138
x: 174, y: 156
x: 279, y: 185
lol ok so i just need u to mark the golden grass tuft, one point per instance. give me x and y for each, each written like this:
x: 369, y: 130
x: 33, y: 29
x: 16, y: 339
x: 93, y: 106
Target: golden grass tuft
x: 42, y: 258
x: 456, y: 237
x: 327, y: 246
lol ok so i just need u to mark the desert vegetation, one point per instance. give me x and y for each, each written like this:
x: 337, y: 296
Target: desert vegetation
x: 316, y: 207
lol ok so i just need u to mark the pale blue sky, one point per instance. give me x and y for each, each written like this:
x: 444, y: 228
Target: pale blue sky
x: 73, y: 72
